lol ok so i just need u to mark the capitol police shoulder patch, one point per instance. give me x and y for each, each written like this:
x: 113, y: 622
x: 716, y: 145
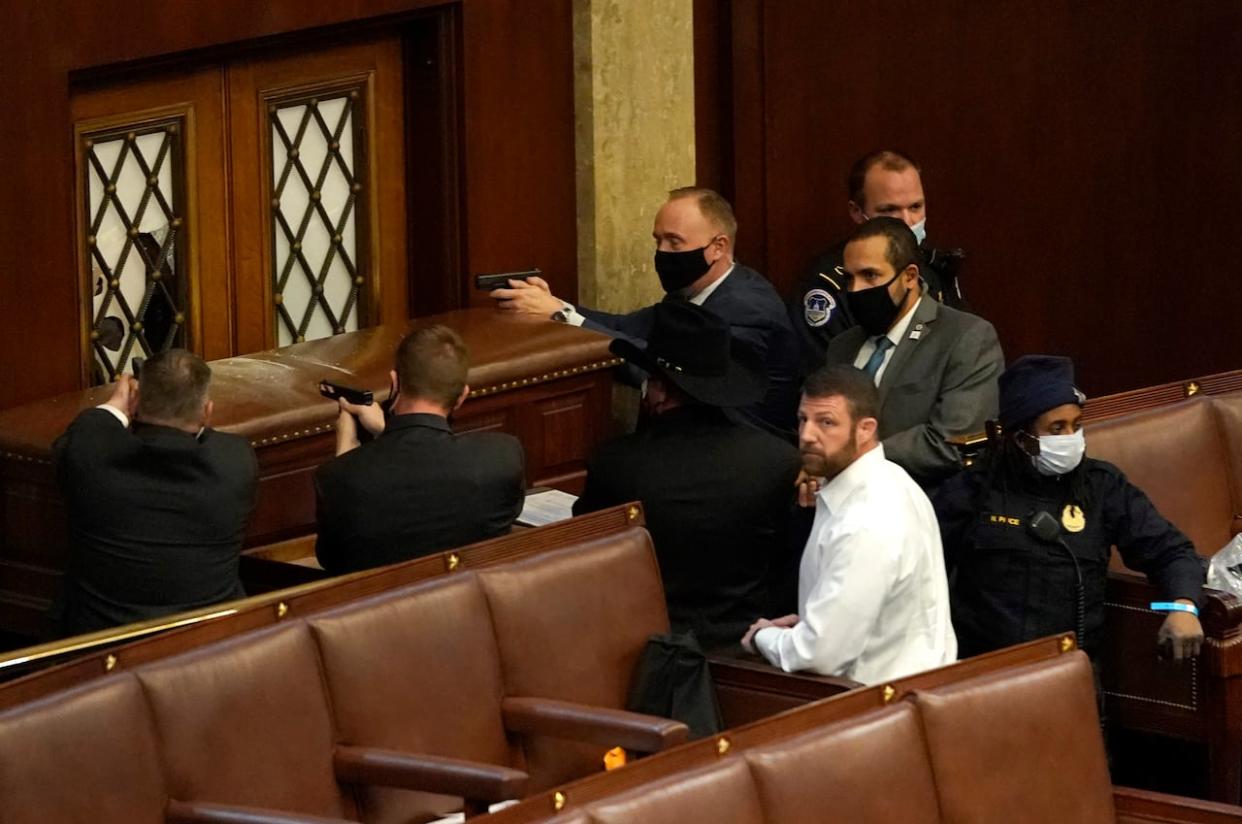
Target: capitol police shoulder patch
x: 817, y: 306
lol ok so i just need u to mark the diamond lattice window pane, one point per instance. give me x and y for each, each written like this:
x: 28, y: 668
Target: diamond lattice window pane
x: 134, y: 243
x: 315, y: 199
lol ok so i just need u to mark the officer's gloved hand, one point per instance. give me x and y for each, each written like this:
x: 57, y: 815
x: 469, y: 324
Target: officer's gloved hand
x: 1180, y: 636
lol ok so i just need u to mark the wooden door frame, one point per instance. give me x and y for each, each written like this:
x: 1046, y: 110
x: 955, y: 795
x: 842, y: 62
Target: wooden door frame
x: 434, y: 167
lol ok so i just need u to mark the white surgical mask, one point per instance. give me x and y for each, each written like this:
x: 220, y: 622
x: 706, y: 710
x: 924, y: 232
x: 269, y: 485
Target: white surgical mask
x: 920, y: 231
x: 1059, y: 454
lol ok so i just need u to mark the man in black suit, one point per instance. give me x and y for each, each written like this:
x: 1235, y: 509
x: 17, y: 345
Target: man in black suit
x: 717, y: 493
x: 936, y: 367
x: 417, y: 488
x: 695, y: 232
x: 157, y: 513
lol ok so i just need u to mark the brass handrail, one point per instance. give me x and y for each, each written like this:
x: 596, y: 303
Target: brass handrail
x: 139, y: 629
x: 105, y: 637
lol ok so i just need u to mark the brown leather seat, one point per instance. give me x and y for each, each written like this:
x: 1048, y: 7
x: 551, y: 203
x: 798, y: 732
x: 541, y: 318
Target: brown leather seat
x: 246, y: 722
x: 570, y: 625
x: 406, y: 690
x: 1229, y: 414
x: 416, y: 670
x: 1178, y: 456
x: 87, y: 756
x: 869, y: 770
x: 723, y: 792
x: 1019, y: 746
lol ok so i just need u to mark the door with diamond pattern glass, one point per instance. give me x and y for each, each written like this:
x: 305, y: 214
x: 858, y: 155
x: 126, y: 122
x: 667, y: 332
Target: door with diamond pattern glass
x: 319, y: 197
x: 241, y: 206
x: 149, y: 190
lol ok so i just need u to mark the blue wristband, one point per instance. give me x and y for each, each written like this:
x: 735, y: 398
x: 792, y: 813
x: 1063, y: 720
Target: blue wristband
x: 1173, y: 606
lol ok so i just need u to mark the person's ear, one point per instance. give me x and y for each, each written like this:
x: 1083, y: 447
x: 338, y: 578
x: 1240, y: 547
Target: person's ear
x: 208, y: 408
x: 465, y: 393
x: 910, y: 275
x: 394, y: 386
x: 867, y: 429
x: 856, y: 212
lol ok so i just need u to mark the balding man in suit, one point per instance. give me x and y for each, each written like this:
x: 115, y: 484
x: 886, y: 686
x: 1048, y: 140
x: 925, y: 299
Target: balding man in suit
x: 695, y: 232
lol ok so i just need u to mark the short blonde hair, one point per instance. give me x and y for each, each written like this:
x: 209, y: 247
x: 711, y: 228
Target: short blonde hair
x: 714, y: 207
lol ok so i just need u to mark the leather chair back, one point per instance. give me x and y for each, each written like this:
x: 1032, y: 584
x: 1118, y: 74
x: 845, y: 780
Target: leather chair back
x: 570, y: 625
x: 416, y: 670
x: 869, y: 770
x: 1022, y: 746
x: 86, y: 756
x: 1229, y: 415
x: 246, y: 722
x: 1178, y: 456
x: 720, y: 792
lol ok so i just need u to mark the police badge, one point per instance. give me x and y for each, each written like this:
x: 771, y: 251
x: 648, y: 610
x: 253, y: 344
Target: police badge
x: 817, y: 306
x: 1072, y: 518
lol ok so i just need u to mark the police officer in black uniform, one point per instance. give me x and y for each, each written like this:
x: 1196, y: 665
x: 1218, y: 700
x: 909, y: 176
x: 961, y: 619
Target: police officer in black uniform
x: 1010, y: 524
x: 881, y: 184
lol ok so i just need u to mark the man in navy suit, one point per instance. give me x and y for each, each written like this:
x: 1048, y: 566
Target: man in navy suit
x: 695, y: 232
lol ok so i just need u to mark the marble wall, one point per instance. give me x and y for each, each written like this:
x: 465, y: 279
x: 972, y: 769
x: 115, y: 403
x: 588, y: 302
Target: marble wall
x: 634, y: 113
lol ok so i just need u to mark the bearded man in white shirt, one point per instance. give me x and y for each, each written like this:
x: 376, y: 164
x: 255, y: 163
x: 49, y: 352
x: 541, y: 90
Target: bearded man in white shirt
x: 873, y: 599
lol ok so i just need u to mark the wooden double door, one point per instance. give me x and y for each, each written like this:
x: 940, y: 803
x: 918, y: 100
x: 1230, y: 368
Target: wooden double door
x: 241, y: 204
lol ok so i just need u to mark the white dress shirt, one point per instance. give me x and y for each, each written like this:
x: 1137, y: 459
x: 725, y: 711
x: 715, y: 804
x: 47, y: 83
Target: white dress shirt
x: 895, y: 335
x: 872, y: 594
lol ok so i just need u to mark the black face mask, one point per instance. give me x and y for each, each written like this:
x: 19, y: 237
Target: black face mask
x: 677, y: 270
x: 873, y: 308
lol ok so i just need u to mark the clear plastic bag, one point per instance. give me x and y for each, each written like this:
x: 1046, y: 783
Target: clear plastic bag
x: 1225, y: 570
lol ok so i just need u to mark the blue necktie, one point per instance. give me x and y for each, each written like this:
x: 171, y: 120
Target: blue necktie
x: 882, y: 345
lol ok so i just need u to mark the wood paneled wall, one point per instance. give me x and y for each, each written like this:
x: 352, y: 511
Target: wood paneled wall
x: 1085, y: 155
x: 516, y: 104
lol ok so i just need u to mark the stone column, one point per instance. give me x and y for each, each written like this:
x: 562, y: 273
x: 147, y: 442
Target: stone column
x: 634, y: 111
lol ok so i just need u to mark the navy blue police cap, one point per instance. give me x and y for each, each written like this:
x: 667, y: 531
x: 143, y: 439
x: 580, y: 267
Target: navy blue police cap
x: 1032, y: 385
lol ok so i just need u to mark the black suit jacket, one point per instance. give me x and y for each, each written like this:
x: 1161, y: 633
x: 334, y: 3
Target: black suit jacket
x: 717, y: 495
x: 156, y: 518
x: 416, y: 489
x: 940, y: 382
x: 756, y: 315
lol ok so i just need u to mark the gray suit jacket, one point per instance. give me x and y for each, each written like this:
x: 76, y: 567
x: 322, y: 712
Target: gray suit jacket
x: 939, y: 383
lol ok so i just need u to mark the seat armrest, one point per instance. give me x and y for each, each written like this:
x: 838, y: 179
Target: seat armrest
x: 1144, y: 805
x: 196, y: 812
x: 472, y: 780
x: 596, y: 725
x: 1220, y: 612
